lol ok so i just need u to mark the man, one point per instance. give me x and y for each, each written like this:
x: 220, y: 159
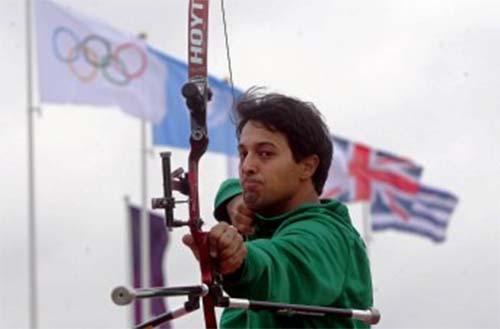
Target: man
x: 300, y: 249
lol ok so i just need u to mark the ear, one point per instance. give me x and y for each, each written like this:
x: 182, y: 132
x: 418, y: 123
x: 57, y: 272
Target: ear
x: 309, y: 165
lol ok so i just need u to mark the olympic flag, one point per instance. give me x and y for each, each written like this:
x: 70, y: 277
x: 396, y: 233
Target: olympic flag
x: 84, y: 61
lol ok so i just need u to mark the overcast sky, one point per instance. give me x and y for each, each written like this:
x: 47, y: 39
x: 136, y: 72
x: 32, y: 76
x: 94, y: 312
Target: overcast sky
x: 417, y: 78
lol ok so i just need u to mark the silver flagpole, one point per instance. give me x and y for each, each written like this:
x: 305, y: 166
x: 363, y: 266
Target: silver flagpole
x: 145, y: 225
x: 32, y: 257
x: 130, y: 247
x: 367, y: 225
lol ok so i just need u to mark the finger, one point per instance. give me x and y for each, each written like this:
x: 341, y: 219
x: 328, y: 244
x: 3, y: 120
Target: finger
x: 243, y: 223
x: 213, y: 237
x: 245, y: 229
x: 242, y: 219
x: 243, y: 209
x: 234, y: 262
x: 228, y: 252
x: 227, y: 238
x: 188, y: 240
x: 237, y: 205
x: 242, y: 212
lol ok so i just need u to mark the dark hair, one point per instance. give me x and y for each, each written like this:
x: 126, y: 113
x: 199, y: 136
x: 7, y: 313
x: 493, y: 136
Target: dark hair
x: 299, y: 121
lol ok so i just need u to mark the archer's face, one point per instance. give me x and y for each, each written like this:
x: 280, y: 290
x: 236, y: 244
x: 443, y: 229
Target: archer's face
x: 270, y: 177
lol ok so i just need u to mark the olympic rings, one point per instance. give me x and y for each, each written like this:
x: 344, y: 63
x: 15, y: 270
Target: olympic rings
x: 104, y: 59
x: 57, y: 36
x: 121, y: 65
x: 85, y: 78
x: 144, y: 59
x: 97, y: 53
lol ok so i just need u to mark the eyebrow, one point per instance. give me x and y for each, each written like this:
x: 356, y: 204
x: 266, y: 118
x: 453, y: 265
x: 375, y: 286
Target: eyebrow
x: 260, y: 144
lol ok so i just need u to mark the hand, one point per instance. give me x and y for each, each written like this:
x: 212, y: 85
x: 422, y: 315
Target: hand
x: 226, y: 247
x: 241, y: 217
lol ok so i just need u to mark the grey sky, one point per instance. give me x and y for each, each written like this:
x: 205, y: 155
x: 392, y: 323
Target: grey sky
x: 417, y: 78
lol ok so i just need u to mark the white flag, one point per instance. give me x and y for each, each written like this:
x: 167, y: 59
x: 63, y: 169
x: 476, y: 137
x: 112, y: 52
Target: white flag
x: 84, y: 61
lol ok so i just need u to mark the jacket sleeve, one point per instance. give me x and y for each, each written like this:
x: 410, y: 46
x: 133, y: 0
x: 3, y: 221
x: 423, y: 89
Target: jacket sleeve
x: 304, y: 263
x: 227, y: 191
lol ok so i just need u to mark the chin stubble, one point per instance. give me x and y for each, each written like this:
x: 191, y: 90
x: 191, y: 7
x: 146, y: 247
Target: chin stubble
x: 250, y: 198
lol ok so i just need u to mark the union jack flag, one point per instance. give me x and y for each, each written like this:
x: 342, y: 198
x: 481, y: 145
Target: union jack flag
x: 391, y: 185
x: 356, y: 169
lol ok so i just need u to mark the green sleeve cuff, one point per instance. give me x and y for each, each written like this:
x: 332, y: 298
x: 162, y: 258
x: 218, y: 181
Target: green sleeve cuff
x: 228, y: 190
x: 254, y: 256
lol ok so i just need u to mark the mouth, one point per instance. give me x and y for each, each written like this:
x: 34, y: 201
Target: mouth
x: 250, y: 184
x: 251, y: 191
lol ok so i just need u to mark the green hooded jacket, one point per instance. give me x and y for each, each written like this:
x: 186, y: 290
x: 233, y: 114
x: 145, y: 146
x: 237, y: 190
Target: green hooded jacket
x: 311, y: 255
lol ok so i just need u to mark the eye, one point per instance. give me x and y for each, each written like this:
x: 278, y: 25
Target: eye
x: 266, y: 154
x: 242, y: 154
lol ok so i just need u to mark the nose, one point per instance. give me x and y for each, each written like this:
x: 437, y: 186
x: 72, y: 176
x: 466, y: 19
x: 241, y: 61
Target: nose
x: 248, y: 165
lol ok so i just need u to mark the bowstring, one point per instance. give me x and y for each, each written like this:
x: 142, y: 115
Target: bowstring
x: 228, y: 52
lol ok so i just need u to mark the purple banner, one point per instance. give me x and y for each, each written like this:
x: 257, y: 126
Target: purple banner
x: 158, y: 245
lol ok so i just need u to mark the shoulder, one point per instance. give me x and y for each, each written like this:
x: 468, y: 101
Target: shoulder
x: 329, y: 214
x: 328, y: 221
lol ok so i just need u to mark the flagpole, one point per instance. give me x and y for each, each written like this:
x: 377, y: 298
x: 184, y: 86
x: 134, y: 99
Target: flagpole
x: 32, y: 259
x: 367, y: 225
x: 145, y: 224
x: 130, y: 246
